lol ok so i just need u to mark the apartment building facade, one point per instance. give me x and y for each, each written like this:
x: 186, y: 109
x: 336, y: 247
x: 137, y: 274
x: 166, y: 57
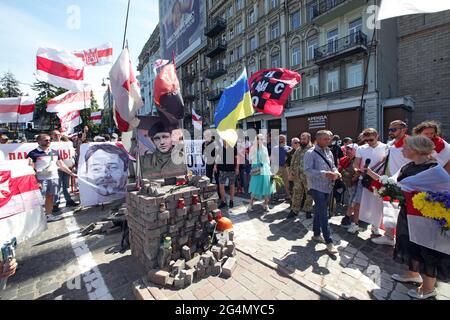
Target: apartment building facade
x: 146, y: 78
x: 331, y: 43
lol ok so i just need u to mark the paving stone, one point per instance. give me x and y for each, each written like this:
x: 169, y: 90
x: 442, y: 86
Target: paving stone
x: 395, y: 295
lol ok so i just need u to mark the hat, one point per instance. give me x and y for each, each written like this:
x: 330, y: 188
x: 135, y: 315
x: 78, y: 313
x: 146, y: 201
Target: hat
x: 4, y: 136
x: 115, y: 136
x: 99, y: 139
x: 347, y: 139
x: 158, y: 127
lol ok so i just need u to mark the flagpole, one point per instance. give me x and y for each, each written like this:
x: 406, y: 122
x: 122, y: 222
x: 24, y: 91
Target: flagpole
x: 126, y: 25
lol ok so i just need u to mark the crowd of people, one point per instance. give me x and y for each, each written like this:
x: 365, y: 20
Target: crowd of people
x: 320, y: 175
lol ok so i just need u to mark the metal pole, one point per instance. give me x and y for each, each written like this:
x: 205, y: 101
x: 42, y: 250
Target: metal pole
x: 110, y: 110
x: 126, y: 25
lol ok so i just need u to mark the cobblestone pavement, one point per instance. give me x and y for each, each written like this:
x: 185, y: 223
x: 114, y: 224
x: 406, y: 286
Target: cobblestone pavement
x: 50, y: 265
x: 361, y: 269
x: 251, y: 280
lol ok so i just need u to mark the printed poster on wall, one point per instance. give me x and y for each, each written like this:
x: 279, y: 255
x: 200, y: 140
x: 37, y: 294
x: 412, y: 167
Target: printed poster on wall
x: 195, y: 160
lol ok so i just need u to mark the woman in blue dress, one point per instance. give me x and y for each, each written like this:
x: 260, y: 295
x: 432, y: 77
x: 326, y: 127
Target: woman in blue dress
x: 261, y: 186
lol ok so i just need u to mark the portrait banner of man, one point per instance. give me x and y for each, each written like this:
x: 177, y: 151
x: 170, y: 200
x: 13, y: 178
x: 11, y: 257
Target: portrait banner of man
x: 160, y: 149
x: 102, y: 173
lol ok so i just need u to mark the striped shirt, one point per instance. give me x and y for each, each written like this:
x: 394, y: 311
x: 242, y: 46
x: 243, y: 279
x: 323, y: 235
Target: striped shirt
x: 315, y: 168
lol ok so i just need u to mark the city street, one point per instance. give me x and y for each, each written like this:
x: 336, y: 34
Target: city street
x: 276, y: 260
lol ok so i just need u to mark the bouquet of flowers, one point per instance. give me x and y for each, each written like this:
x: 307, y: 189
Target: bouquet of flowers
x: 388, y: 189
x: 434, y: 205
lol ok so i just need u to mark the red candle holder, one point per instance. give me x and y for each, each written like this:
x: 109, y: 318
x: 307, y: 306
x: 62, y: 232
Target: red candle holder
x: 218, y: 215
x: 181, y: 203
x: 195, y: 199
x: 210, y: 217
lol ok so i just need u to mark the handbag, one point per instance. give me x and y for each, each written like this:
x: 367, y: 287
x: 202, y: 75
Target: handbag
x: 256, y: 171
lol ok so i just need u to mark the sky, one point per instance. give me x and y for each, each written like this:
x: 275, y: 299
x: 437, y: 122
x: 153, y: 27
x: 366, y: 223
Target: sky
x: 26, y: 25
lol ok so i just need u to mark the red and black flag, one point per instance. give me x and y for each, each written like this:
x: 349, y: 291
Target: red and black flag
x: 270, y: 89
x: 167, y: 96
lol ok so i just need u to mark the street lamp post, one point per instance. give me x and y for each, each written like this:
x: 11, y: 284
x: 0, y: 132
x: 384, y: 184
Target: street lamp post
x: 111, y: 115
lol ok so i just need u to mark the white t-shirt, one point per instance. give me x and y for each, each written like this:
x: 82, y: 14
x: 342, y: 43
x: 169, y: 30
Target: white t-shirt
x: 396, y: 159
x: 442, y: 157
x: 374, y: 154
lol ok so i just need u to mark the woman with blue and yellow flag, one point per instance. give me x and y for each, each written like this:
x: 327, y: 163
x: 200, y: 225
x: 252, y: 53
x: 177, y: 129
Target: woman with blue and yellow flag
x: 261, y: 185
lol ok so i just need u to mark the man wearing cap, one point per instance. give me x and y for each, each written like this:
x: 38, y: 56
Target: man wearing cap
x: 346, y: 141
x: 3, y: 139
x: 162, y: 162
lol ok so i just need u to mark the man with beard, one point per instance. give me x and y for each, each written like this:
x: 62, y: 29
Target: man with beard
x: 107, y: 169
x: 301, y: 200
x: 162, y: 162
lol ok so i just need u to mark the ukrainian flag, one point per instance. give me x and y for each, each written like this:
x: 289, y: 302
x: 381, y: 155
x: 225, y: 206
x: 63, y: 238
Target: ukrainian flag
x: 234, y: 105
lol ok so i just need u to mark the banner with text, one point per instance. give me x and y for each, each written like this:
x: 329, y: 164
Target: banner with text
x: 19, y: 151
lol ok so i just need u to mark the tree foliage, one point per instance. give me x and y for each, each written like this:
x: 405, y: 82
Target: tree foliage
x: 9, y: 86
x: 46, y: 92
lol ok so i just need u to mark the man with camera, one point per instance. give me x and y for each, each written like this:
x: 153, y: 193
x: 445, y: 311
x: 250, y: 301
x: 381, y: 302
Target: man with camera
x: 46, y: 162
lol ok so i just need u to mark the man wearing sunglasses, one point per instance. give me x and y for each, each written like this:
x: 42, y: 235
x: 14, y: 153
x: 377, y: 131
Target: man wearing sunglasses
x: 371, y: 208
x: 46, y: 162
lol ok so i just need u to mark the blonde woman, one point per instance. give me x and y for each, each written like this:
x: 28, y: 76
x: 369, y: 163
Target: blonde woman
x: 261, y: 186
x: 420, y: 259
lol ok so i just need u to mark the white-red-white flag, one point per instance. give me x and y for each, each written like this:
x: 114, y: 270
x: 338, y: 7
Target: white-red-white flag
x: 96, y: 117
x: 126, y: 93
x: 396, y: 8
x: 196, y: 120
x: 69, y: 101
x: 60, y: 68
x: 21, y: 214
x: 69, y: 121
x: 97, y: 56
x: 158, y: 64
x: 19, y: 109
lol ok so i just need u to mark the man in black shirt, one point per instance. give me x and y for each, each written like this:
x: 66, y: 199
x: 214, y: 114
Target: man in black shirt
x: 227, y: 165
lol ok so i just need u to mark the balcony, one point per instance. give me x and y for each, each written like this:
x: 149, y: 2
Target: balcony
x: 217, y: 47
x: 341, y: 48
x: 322, y: 11
x: 190, y: 76
x: 214, y: 95
x: 215, y: 71
x: 215, y: 27
x: 190, y: 95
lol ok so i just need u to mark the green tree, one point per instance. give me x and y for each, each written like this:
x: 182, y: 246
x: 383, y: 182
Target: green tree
x: 2, y: 94
x: 85, y: 114
x: 9, y: 85
x: 46, y: 92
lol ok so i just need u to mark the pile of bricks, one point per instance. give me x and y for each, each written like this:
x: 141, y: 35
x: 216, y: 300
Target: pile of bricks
x: 171, y: 233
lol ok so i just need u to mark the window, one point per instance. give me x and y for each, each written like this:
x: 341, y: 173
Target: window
x: 238, y: 4
x: 230, y: 12
x: 231, y: 34
x: 252, y: 43
x: 275, y: 3
x: 262, y: 37
x: 252, y: 68
x: 354, y: 75
x: 295, y: 20
x: 231, y: 56
x: 313, y: 10
x: 313, y: 86
x: 275, y: 30
x: 332, y: 40
x: 354, y: 28
x: 332, y: 81
x: 275, y: 60
x: 251, y: 17
x: 240, y: 52
x: 296, y: 93
x: 312, y: 45
x: 295, y: 57
x: 262, y: 62
x: 239, y: 27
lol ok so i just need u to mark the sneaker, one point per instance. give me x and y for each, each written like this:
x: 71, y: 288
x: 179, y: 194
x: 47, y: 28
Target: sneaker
x: 331, y: 248
x: 292, y: 214
x: 353, y: 228
x: 308, y: 215
x: 318, y: 239
x: 51, y: 218
x: 399, y: 278
x: 266, y: 208
x: 231, y: 204
x: 384, y: 240
x: 222, y: 205
x: 346, y: 221
x: 71, y: 204
x: 56, y: 209
x: 376, y: 231
x: 418, y: 294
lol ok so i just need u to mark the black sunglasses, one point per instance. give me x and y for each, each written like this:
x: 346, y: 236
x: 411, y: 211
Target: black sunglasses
x: 370, y: 140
